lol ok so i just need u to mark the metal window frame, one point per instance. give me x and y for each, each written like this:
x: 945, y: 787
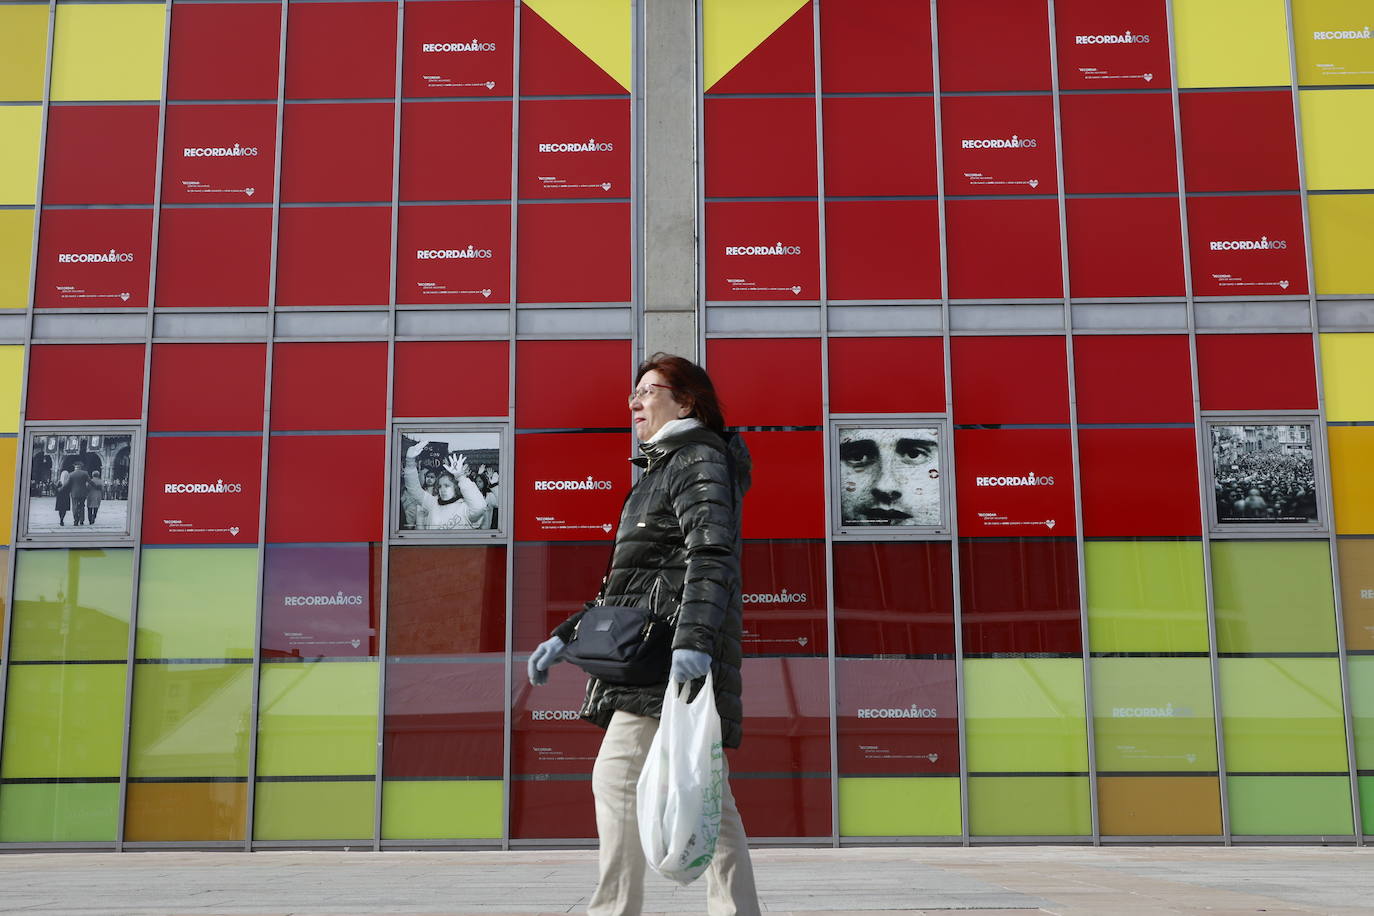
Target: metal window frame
x: 841, y: 532
x: 1254, y: 530
x: 34, y: 429
x: 505, y: 464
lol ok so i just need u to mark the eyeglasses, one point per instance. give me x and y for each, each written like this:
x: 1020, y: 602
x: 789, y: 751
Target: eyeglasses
x: 646, y: 391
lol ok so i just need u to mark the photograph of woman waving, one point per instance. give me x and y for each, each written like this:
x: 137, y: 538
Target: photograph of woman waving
x: 445, y: 498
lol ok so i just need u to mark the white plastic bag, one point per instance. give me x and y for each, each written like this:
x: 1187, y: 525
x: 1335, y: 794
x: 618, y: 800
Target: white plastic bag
x: 681, y: 784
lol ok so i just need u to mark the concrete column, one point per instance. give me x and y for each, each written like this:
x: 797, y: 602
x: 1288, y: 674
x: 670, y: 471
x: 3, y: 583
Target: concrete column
x: 668, y: 188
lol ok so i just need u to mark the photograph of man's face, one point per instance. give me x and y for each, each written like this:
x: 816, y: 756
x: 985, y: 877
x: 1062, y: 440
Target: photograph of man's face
x: 889, y: 477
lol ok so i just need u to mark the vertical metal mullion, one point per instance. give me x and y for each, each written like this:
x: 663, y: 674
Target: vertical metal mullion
x: 699, y: 160
x: 140, y: 450
x: 1328, y: 500
x: 385, y: 598
x: 250, y: 814
x: 507, y: 472
x: 638, y: 232
x: 21, y: 451
x: 965, y: 836
x: 1200, y: 436
x: 1089, y: 723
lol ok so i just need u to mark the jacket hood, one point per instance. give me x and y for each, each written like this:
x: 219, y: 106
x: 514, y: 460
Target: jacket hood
x: 733, y: 445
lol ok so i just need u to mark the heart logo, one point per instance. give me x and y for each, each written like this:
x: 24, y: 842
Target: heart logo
x: 605, y: 185
x: 802, y: 640
x: 932, y: 757
x: 1149, y: 76
x: 356, y: 643
x: 1034, y: 182
x: 1283, y: 283
x: 796, y: 290
x: 490, y: 84
x: 234, y: 530
x: 606, y: 528
x: 486, y: 294
x: 1049, y: 523
x: 1192, y: 758
x: 250, y: 191
x: 124, y: 296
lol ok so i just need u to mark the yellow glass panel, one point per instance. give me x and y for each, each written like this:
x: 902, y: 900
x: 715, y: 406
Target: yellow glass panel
x: 20, y: 126
x: 16, y: 252
x: 108, y: 51
x: 1348, y: 376
x: 11, y: 377
x: 1342, y: 237
x: 1352, y: 486
x: 1337, y: 133
x: 8, y: 448
x: 23, y: 46
x: 1333, y: 42
x: 1231, y: 42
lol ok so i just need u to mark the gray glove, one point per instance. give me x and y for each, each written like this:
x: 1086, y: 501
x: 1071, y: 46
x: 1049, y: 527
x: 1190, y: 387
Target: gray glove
x: 545, y: 655
x: 689, y: 664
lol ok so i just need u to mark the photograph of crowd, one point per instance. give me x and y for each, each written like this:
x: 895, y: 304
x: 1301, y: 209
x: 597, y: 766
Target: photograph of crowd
x: 889, y: 477
x: 449, y: 481
x: 78, y: 484
x: 1264, y: 474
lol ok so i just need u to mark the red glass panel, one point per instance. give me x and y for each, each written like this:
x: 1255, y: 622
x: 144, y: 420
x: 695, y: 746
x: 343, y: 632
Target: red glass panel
x: 897, y: 717
x: 861, y: 371
x: 551, y: 746
x: 219, y: 154
x: 574, y: 253
x: 762, y: 251
x: 1247, y: 246
x: 459, y: 48
x: 568, y: 384
x: 1133, y: 379
x: 550, y: 64
x: 320, y: 601
x: 1015, y: 482
x: 453, y: 254
x: 206, y: 387
x: 337, y: 153
x: 455, y: 150
x: 100, y: 154
x: 443, y: 720
x: 552, y: 582
x: 446, y: 601
x: 570, y: 486
x: 233, y: 272
x: 85, y: 382
x: 1118, y: 143
x: 334, y: 256
x: 894, y: 598
x: 875, y: 46
x: 1020, y: 595
x: 879, y: 146
x: 424, y: 376
x: 1124, y: 246
x: 1119, y: 45
x: 224, y: 51
x: 760, y: 147
x: 1256, y: 372
x: 783, y: 586
x: 1214, y: 160
x: 575, y: 149
x: 785, y: 498
x: 325, y: 488
x: 94, y: 259
x: 553, y: 810
x: 746, y: 376
x: 1139, y: 482
x: 788, y: 806
x: 202, y: 490
x: 1010, y: 380
x: 999, y: 145
x: 329, y: 386
x: 341, y: 51
x: 887, y: 249
x: 782, y: 62
x: 1003, y: 249
x: 991, y: 45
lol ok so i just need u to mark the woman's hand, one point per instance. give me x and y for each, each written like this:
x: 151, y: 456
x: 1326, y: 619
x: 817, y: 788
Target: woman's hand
x: 456, y: 465
x: 414, y: 451
x: 547, y: 654
x: 688, y: 665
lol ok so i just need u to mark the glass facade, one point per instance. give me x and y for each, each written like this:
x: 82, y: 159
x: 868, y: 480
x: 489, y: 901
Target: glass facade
x: 266, y: 264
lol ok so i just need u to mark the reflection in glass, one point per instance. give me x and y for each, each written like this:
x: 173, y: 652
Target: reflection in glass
x: 185, y: 812
x: 897, y: 716
x: 1282, y: 715
x: 443, y: 719
x: 783, y: 585
x: 552, y: 582
x: 321, y: 601
x: 1146, y: 596
x: 63, y: 721
x: 190, y: 720
x: 197, y: 602
x: 446, y: 600
x: 894, y: 599
x: 1356, y: 556
x: 71, y: 605
x: 1020, y: 595
x: 1029, y: 806
x: 1153, y: 714
x: 1025, y: 715
x: 1273, y: 596
x: 318, y: 719
x: 1159, y: 805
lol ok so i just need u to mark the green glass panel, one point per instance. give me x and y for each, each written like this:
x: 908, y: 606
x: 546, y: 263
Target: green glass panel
x: 69, y: 812
x: 1154, y: 714
x: 1290, y: 805
x: 1282, y: 715
x: 63, y: 721
x: 197, y: 602
x: 1366, y: 784
x: 191, y: 720
x: 313, y: 810
x: 442, y: 809
x: 318, y: 718
x: 1029, y: 806
x: 899, y: 806
x: 1361, y: 669
x: 1025, y: 715
x: 1146, y: 596
x: 1274, y: 596
x: 71, y: 605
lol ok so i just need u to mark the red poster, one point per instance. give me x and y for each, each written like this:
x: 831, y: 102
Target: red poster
x: 897, y: 717
x: 999, y: 145
x: 1119, y: 45
x: 575, y: 149
x: 321, y: 601
x: 574, y: 252
x: 570, y: 486
x: 233, y: 272
x: 459, y: 48
x: 453, y: 254
x: 1167, y: 458
x: 94, y: 259
x: 1247, y: 246
x: 1014, y: 482
x: 202, y: 490
x: 882, y: 249
x: 786, y: 718
x: 875, y: 46
x: 785, y: 499
x: 760, y: 147
x: 783, y: 585
x: 994, y: 45
x: 456, y: 150
x: 1118, y: 142
x: 123, y: 169
x: 225, y: 51
x: 879, y: 146
x: 341, y: 50
x: 547, y: 737
x: 337, y: 153
x: 219, y: 153
x: 762, y: 251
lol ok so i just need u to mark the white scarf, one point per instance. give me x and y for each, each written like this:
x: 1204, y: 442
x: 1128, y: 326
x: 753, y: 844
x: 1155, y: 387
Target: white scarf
x: 680, y: 425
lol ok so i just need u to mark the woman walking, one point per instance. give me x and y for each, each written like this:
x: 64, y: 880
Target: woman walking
x: 677, y: 553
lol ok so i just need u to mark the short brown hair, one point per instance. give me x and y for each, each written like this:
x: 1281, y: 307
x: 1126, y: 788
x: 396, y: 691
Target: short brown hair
x: 691, y: 386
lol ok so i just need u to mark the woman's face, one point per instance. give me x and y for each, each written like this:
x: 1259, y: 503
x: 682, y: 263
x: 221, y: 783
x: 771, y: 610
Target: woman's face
x: 652, y: 405
x: 428, y: 480
x: 447, y: 487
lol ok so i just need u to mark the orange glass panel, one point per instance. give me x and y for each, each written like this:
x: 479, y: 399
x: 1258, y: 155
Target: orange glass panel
x: 1159, y: 805
x: 1352, y: 491
x: 1356, y: 558
x: 185, y: 811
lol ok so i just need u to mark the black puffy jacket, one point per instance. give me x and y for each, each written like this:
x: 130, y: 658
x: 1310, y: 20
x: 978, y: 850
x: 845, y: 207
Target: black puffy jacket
x: 677, y: 549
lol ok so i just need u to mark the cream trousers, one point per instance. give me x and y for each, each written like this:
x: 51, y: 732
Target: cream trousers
x: 620, y: 891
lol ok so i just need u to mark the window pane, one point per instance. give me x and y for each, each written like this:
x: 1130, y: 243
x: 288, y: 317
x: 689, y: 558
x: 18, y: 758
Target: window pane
x: 321, y: 601
x: 784, y: 598
x: 314, y: 810
x: 443, y: 719
x: 1159, y: 805
x: 897, y: 717
x: 1357, y: 591
x: 318, y: 719
x: 197, y: 603
x: 894, y: 599
x: 63, y: 721
x: 67, y: 812
x: 446, y: 600
x: 186, y: 812
x: 190, y: 720
x: 1153, y: 714
x: 1025, y: 715
x: 1282, y: 715
x: 437, y: 810
x: 1289, y: 805
x: 1020, y: 595
x: 71, y: 605
x: 899, y: 806
x: 1273, y: 596
x: 1029, y: 806
x: 1146, y: 596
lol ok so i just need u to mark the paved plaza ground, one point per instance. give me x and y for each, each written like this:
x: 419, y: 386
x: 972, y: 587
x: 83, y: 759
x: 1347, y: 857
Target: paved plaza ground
x: 1132, y: 881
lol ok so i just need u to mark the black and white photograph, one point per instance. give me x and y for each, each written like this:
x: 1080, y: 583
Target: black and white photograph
x: 889, y: 477
x: 78, y: 483
x: 450, y: 480
x: 1264, y: 474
